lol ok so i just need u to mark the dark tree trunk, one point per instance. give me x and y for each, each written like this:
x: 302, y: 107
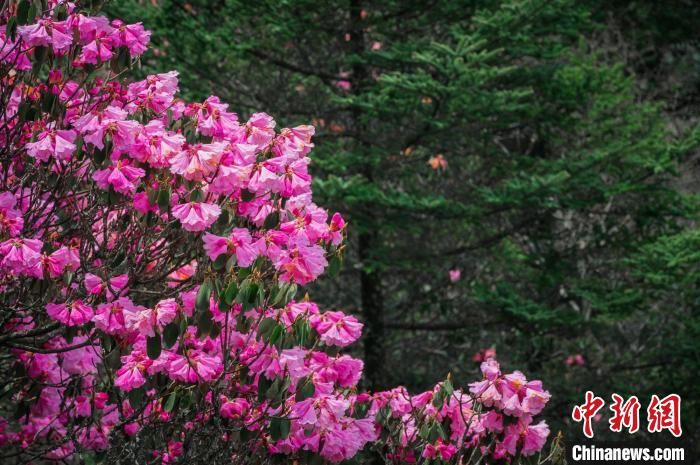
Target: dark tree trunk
x: 373, y: 313
x: 372, y: 301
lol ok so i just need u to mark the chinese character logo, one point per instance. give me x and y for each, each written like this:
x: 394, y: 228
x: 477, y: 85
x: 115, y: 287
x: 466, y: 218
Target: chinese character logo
x: 625, y: 414
x: 665, y: 414
x: 587, y: 411
x: 662, y: 414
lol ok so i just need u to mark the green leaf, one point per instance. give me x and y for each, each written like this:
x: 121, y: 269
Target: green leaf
x: 231, y: 292
x: 285, y: 293
x: 197, y: 195
x: 107, y: 342
x: 23, y: 12
x: 279, y: 428
x: 265, y: 327
x: 170, y: 403
x: 246, y: 195
x: 433, y: 433
x: 250, y: 295
x: 41, y: 54
x: 305, y: 389
x: 154, y: 347
x: 136, y: 396
x: 275, y: 389
x: 67, y: 277
x: 424, y: 431
x: 215, y: 330
x: 170, y: 334
x: 99, y: 155
x: 252, y: 292
x: 302, y: 330
x: 334, y: 266
x: 231, y: 263
x: 152, y: 196
x: 204, y: 323
x: 277, y: 335
x: 201, y: 302
x: 264, y: 385
x: 243, y: 273
x: 123, y: 58
x: 223, y: 220
x: 272, y: 220
x: 113, y: 359
x: 220, y: 262
x: 48, y: 100
x: 438, y: 399
x: 164, y: 199
x: 79, y: 148
x: 61, y: 13
x: 447, y: 387
x: 12, y: 27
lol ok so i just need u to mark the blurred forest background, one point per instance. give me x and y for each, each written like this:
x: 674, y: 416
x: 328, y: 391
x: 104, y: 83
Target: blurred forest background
x: 546, y: 149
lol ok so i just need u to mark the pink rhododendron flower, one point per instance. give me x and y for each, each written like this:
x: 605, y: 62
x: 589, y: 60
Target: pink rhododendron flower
x: 83, y: 359
x: 438, y: 162
x: 132, y: 36
x: 214, y: 119
x: 198, y: 161
x: 484, y: 354
x: 62, y: 260
x: 111, y: 317
x: 234, y: 408
x: 492, y: 421
x: 20, y: 255
x: 439, y: 450
x: 11, y: 221
x: 239, y: 243
x: 47, y: 32
x: 196, y: 216
x: 336, y: 328
x: 263, y: 179
x: 120, y: 176
x: 71, y: 314
x: 521, y: 396
x: 260, y: 129
x: 196, y: 366
x: 336, y: 228
x: 576, y: 359
x: 174, y: 451
x: 112, y: 120
x: 131, y: 375
x: 533, y: 437
x: 149, y: 320
x: 182, y: 274
x: 98, y: 50
x: 95, y: 285
x: 57, y: 144
x: 155, y: 93
x: 301, y: 264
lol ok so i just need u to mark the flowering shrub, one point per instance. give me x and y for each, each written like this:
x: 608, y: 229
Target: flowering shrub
x: 150, y: 256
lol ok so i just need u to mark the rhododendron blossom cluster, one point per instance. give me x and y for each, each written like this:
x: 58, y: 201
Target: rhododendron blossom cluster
x: 150, y: 256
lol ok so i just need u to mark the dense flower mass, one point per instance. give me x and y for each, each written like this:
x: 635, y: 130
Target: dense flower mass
x: 151, y: 252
